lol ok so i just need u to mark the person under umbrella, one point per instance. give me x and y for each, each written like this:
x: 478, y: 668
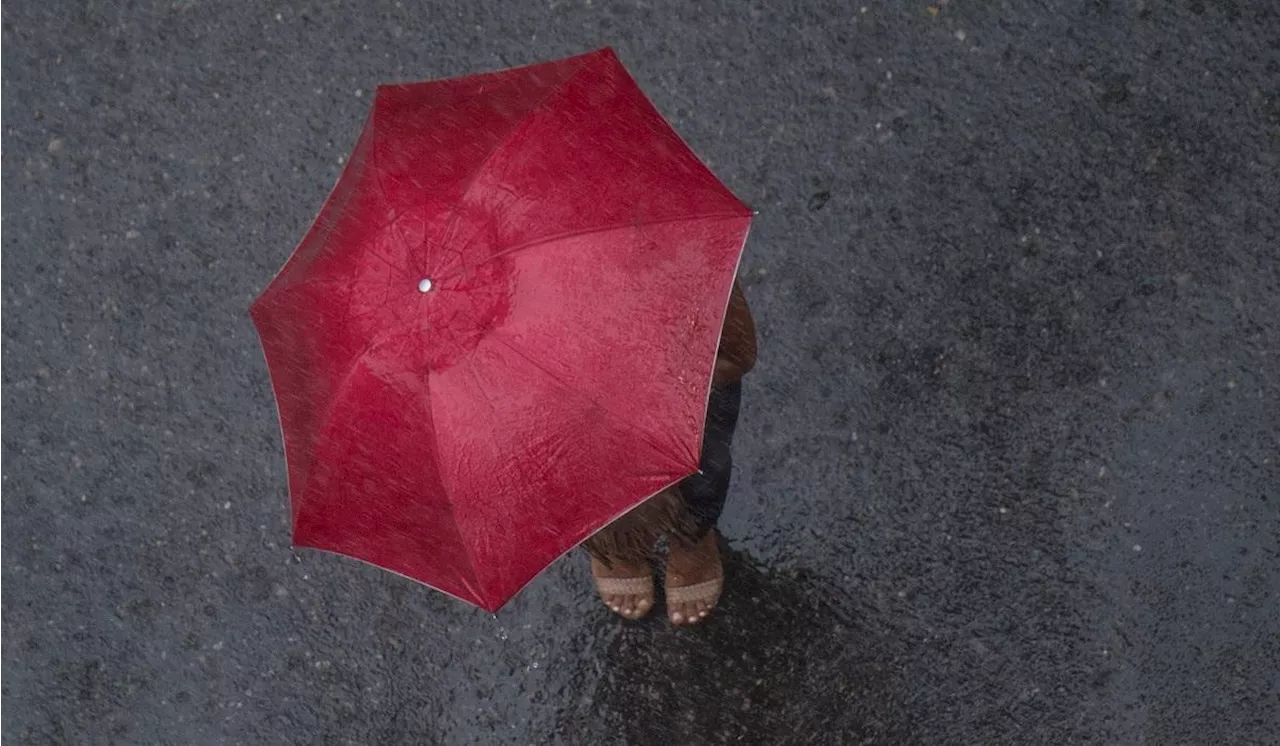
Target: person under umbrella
x: 500, y: 334
x: 622, y: 554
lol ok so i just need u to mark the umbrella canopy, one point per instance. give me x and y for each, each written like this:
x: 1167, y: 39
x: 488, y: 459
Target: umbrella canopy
x: 499, y: 333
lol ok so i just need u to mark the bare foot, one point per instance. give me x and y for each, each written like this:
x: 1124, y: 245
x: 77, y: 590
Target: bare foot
x: 694, y: 580
x: 626, y: 587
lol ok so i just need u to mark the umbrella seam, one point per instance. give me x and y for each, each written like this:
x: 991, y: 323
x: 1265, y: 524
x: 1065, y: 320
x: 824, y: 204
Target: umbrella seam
x: 326, y: 419
x: 596, y: 229
x: 424, y: 402
x: 325, y: 423
x: 328, y: 203
x: 506, y: 140
x: 287, y: 286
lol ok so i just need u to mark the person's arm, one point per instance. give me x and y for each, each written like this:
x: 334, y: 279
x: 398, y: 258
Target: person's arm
x: 737, y: 354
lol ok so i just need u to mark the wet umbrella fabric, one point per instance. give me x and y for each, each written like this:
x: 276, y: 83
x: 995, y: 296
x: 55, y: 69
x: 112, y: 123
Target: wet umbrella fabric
x: 500, y: 331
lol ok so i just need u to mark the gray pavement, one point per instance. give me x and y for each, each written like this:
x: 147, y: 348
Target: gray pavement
x: 1007, y: 474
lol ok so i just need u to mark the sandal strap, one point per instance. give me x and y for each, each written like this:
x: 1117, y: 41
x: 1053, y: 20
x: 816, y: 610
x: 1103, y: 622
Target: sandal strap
x: 706, y: 591
x: 625, y: 586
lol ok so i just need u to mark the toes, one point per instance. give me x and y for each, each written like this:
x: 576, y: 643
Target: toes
x: 690, y: 613
x: 629, y: 606
x: 684, y: 614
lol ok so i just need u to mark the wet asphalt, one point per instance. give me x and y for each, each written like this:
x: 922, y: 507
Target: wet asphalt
x: 1007, y: 473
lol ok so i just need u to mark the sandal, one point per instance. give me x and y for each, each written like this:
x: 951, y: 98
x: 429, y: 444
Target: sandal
x: 695, y: 578
x: 629, y: 595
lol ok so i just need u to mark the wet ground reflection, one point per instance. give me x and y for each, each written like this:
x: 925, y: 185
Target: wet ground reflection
x: 781, y: 662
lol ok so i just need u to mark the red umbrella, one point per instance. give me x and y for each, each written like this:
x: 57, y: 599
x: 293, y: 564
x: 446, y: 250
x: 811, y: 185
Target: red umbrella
x: 500, y: 331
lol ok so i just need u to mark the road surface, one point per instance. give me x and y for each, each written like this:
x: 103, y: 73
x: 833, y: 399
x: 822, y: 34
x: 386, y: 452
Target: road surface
x: 1007, y: 473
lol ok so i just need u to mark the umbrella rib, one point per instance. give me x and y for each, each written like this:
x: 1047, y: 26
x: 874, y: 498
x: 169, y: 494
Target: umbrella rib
x: 586, y: 231
x: 647, y: 437
x: 348, y: 316
x: 349, y: 280
x: 336, y: 194
x: 395, y: 224
x: 327, y: 282
x: 424, y: 402
x: 326, y: 418
x: 518, y: 125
